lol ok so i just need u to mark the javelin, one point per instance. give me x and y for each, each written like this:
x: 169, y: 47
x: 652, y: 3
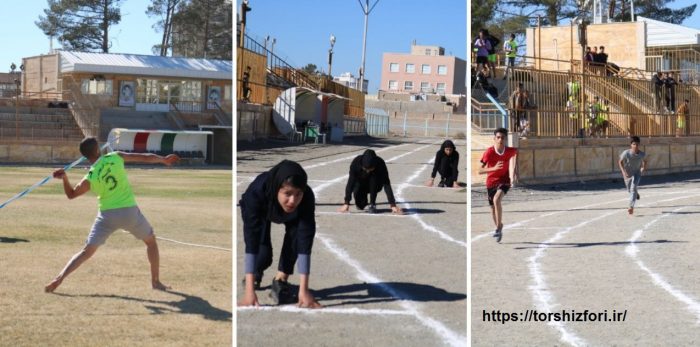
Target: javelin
x: 46, y: 179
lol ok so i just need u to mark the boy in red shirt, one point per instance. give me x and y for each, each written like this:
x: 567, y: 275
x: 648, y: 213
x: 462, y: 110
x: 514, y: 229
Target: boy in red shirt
x: 499, y: 163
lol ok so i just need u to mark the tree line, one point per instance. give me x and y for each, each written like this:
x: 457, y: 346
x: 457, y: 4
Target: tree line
x: 190, y: 28
x: 503, y: 17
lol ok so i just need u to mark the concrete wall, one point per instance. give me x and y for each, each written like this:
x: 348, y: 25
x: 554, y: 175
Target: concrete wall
x: 624, y: 43
x: 41, y: 75
x: 573, y: 160
x: 38, y: 152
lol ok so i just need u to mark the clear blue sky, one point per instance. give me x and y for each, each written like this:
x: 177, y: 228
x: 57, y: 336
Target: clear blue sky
x: 302, y: 29
x: 20, y: 37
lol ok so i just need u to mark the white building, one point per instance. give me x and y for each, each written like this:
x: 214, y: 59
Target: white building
x: 350, y: 81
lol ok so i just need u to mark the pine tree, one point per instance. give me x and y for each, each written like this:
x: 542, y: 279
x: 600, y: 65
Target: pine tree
x: 165, y: 10
x: 81, y: 25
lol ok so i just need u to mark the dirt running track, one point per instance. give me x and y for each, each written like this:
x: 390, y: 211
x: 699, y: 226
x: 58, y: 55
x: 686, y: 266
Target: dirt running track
x: 384, y: 280
x: 576, y: 248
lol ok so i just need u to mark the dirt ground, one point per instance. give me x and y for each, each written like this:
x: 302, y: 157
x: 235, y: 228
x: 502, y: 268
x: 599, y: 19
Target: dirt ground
x: 574, y: 248
x: 108, y: 301
x: 384, y: 280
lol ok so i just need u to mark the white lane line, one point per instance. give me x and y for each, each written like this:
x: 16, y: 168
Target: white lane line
x: 251, y: 178
x: 541, y: 295
x: 448, y: 336
x: 632, y: 250
x: 548, y: 214
x: 363, y: 214
x: 351, y: 311
x: 188, y: 243
x: 441, y: 330
x: 423, y: 224
x: 543, y: 298
x: 313, y: 166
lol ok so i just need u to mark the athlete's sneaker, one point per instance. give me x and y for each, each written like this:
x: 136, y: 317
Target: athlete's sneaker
x: 498, y: 235
x: 372, y: 209
x: 280, y: 292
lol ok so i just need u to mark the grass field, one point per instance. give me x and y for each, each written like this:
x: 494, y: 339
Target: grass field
x: 109, y: 300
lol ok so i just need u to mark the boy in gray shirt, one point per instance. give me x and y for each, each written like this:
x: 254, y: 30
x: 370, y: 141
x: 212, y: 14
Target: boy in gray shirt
x: 632, y: 164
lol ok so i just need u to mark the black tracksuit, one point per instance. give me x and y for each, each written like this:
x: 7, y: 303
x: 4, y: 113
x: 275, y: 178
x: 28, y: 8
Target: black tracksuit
x: 361, y: 183
x: 447, y: 166
x: 300, y: 227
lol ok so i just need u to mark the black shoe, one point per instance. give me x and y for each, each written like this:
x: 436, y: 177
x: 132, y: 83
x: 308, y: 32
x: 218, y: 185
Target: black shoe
x: 498, y: 235
x: 638, y: 197
x: 280, y: 292
x: 372, y: 209
x: 441, y: 184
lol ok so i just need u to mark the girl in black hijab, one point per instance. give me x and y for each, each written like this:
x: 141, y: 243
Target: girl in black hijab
x: 280, y: 195
x: 368, y: 175
x: 447, y: 164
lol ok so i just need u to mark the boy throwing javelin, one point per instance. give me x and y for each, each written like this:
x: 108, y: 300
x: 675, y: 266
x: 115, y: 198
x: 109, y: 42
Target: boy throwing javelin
x: 117, y: 205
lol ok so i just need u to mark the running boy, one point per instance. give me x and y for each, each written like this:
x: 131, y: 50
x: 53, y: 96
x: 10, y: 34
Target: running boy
x: 632, y: 164
x: 499, y: 163
x: 117, y: 205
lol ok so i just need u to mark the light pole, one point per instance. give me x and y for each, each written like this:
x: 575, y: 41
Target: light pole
x: 16, y: 80
x: 245, y: 7
x: 330, y: 56
x: 366, y: 10
x: 267, y: 62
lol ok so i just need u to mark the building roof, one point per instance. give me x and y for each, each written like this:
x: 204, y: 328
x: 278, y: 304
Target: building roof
x: 660, y: 34
x: 8, y: 78
x: 145, y: 65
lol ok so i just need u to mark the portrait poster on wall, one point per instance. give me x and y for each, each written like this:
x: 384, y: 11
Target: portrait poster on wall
x: 127, y: 91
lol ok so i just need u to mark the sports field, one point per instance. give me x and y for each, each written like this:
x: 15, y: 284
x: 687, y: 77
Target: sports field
x: 108, y: 301
x: 574, y: 248
x: 384, y: 280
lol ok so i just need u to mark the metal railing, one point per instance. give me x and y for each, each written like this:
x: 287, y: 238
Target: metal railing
x: 486, y: 116
x: 441, y: 125
x: 252, y: 125
x: 377, y: 124
x: 84, y: 112
x: 354, y: 126
x: 562, y: 123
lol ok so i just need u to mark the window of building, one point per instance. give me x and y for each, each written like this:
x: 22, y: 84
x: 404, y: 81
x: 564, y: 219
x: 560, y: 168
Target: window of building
x: 440, y: 87
x: 408, y: 85
x: 425, y: 69
x: 166, y: 92
x: 428, y: 51
x: 393, y: 85
x: 425, y: 87
x: 96, y: 87
x: 442, y: 70
x: 410, y: 68
x: 393, y: 67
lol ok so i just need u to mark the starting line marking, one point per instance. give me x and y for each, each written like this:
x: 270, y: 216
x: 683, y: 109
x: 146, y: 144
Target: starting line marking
x: 351, y: 311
